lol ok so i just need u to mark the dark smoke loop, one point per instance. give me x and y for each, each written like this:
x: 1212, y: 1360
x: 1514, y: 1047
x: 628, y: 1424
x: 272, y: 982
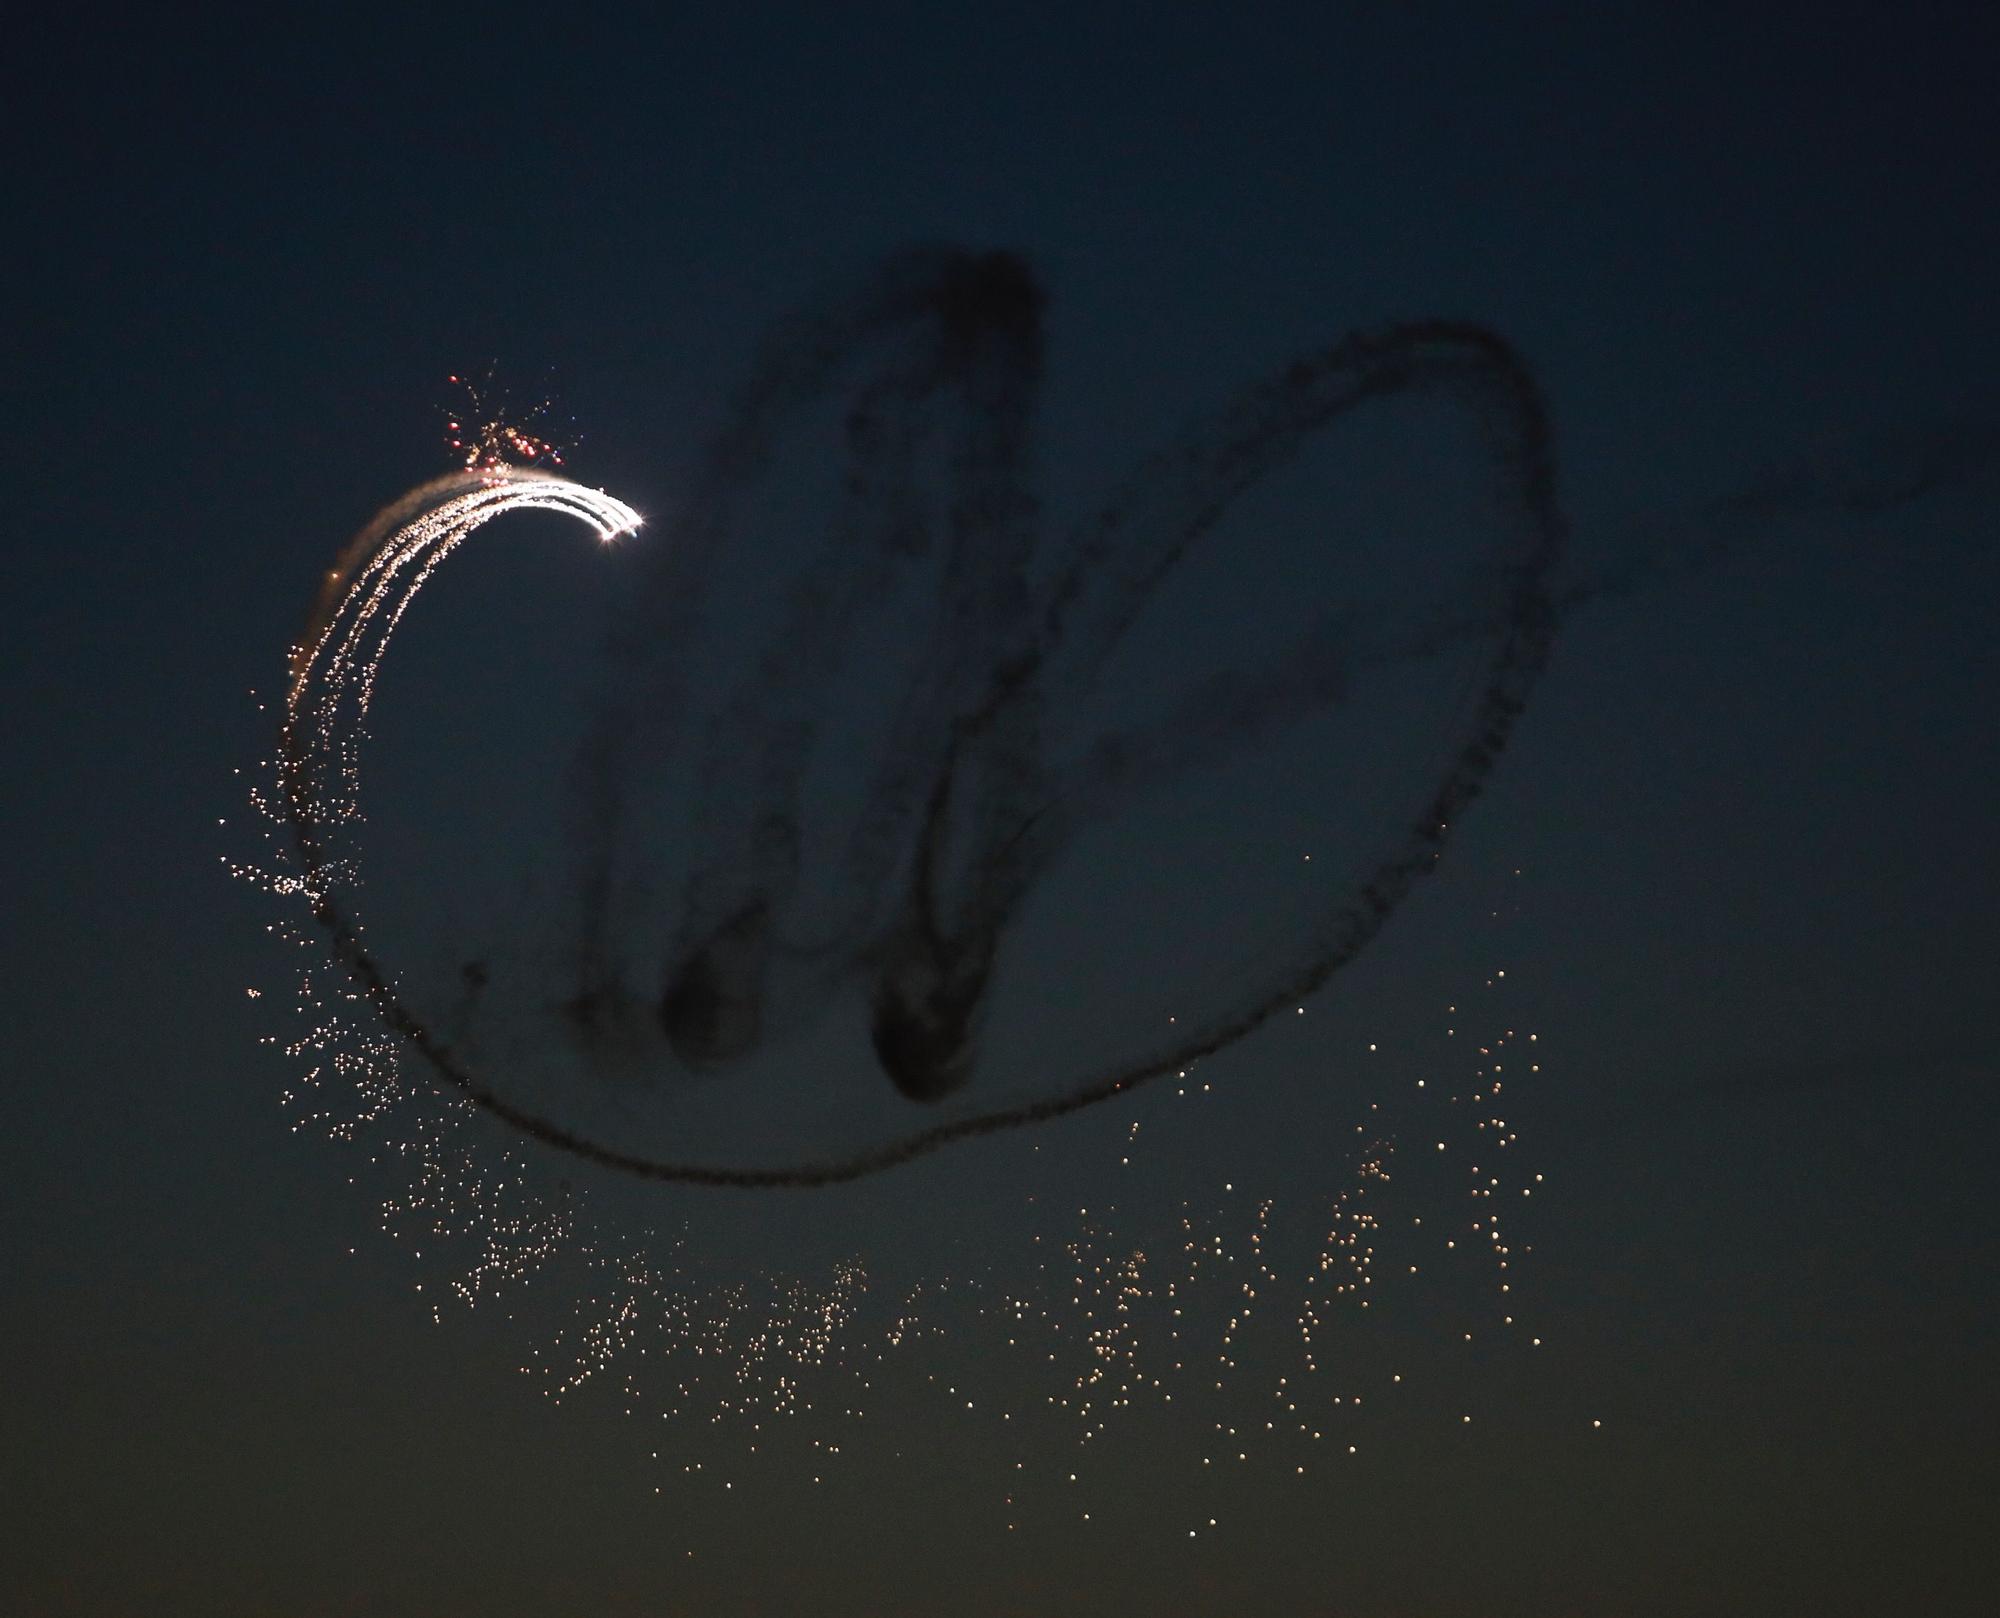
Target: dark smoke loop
x: 965, y: 812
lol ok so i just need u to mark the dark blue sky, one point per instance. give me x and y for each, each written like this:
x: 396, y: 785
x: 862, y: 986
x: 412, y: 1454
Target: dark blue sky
x: 1752, y: 806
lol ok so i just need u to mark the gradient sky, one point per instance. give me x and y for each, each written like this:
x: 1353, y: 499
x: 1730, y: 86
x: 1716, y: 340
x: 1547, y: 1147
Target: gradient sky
x: 1753, y: 807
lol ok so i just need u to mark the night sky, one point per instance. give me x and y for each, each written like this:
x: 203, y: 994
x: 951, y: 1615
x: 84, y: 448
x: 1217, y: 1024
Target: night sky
x: 1735, y: 870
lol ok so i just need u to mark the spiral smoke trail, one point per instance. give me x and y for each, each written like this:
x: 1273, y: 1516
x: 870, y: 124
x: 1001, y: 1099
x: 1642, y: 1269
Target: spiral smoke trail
x: 964, y: 812
x: 976, y: 785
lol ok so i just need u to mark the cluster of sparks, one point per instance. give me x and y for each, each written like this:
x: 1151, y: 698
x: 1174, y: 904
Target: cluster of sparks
x: 483, y: 436
x: 1238, y: 1326
x: 1221, y: 1334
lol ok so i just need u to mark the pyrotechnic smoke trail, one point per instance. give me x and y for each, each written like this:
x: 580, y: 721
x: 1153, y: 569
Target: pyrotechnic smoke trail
x: 333, y: 672
x: 978, y: 790
x: 964, y: 812
x: 979, y: 786
x: 937, y: 965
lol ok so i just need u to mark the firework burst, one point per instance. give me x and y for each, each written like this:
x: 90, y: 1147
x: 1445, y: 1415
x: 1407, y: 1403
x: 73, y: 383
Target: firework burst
x: 484, y: 432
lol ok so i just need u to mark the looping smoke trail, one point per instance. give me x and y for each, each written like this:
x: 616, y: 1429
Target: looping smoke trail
x: 964, y: 810
x: 940, y: 956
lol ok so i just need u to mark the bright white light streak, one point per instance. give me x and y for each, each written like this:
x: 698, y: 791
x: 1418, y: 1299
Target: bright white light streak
x: 392, y: 557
